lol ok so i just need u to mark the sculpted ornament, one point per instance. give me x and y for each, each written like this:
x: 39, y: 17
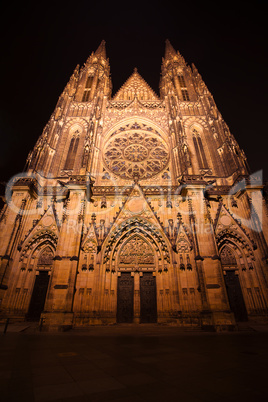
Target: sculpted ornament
x: 136, y: 251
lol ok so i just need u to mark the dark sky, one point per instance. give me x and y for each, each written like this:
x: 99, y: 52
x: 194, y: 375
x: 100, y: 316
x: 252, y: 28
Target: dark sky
x: 43, y: 42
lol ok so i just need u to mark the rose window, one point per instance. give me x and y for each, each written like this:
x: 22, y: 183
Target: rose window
x: 136, y: 153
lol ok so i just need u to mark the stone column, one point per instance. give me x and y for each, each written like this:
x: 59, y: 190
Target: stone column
x: 218, y: 314
x: 136, y: 315
x: 58, y: 311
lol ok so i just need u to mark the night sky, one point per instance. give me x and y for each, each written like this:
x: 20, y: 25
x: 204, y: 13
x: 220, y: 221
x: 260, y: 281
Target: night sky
x: 42, y: 44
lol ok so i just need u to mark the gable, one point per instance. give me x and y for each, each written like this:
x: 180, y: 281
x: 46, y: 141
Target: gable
x: 135, y: 86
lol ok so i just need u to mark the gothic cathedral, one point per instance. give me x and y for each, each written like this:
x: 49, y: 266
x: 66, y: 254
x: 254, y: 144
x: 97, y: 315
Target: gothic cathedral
x: 135, y: 208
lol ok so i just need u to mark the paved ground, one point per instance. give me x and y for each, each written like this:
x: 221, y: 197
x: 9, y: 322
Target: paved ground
x: 134, y: 363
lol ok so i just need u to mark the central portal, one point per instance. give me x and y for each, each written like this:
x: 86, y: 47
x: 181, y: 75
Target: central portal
x: 136, y: 289
x: 125, y: 298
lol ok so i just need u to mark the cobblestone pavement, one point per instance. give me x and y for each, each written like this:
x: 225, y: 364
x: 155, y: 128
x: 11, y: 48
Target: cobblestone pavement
x: 129, y: 363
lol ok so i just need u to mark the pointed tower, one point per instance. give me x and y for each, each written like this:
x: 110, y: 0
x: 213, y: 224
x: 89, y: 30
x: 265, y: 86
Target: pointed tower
x: 94, y: 76
x: 65, y: 148
x: 205, y: 143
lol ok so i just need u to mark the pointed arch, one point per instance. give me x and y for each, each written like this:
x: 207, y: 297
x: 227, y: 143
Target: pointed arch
x: 199, y: 149
x: 142, y: 228
x: 69, y: 163
x: 39, y: 240
x: 227, y: 256
x: 136, y: 251
x: 235, y: 241
x: 45, y: 256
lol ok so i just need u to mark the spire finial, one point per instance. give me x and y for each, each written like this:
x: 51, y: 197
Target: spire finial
x: 169, y: 51
x: 101, y: 51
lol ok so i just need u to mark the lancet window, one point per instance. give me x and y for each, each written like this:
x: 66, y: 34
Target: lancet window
x: 87, y: 90
x: 69, y: 163
x: 184, y: 91
x: 199, y: 150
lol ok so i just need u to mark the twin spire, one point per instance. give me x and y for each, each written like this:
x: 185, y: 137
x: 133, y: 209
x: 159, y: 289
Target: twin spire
x: 169, y: 50
x: 135, y: 86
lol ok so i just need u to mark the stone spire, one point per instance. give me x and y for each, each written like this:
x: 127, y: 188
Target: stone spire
x: 171, y: 54
x: 101, y: 51
x: 169, y: 50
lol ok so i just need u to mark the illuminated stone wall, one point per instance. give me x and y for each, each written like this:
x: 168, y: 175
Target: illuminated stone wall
x: 138, y: 207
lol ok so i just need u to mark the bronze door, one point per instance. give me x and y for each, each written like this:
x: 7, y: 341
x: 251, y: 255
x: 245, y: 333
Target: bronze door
x: 235, y: 296
x: 148, y: 312
x: 38, y: 296
x: 125, y: 297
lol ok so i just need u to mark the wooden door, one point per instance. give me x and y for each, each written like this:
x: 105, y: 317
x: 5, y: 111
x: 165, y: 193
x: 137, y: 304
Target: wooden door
x: 125, y: 297
x: 148, y: 312
x: 38, y: 296
x: 235, y: 296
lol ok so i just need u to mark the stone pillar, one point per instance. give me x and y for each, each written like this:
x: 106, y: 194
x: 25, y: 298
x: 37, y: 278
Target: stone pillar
x: 136, y: 315
x: 58, y: 311
x: 217, y: 313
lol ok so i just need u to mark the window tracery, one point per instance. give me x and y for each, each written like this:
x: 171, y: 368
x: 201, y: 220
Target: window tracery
x: 227, y: 256
x: 136, y: 153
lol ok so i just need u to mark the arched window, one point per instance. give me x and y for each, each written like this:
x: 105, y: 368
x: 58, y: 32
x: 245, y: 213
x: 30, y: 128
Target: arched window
x: 199, y: 150
x: 87, y: 90
x: 69, y: 163
x: 184, y: 91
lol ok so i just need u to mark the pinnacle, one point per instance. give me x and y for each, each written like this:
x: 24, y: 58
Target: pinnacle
x: 101, y: 51
x: 169, y: 51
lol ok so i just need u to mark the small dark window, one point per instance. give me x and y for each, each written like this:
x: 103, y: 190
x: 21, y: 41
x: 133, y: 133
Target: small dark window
x: 184, y: 91
x: 185, y: 95
x: 182, y: 81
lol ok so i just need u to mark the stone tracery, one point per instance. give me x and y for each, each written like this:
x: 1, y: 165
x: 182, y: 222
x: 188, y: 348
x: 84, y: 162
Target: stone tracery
x: 138, y: 152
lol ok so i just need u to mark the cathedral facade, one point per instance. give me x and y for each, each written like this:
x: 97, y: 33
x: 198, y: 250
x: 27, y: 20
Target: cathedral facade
x: 135, y: 208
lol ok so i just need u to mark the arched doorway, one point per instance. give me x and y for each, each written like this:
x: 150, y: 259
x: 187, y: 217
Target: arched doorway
x: 136, y: 287
x: 232, y: 283
x: 44, y: 264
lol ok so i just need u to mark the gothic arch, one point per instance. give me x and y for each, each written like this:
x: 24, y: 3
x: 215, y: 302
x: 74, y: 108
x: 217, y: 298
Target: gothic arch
x: 142, y: 228
x: 236, y: 240
x: 145, y: 122
x: 46, y: 255
x: 73, y: 134
x: 40, y: 239
x: 199, y: 122
x: 227, y: 255
x: 241, y: 248
x: 135, y: 251
x: 78, y: 121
